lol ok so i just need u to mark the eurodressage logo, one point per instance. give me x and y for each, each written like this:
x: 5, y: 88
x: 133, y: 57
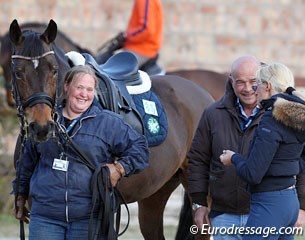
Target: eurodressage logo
x: 153, y: 125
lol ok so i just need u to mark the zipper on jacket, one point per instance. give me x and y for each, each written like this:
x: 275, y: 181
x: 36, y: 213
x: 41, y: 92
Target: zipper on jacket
x: 66, y: 198
x: 66, y: 193
x: 80, y: 124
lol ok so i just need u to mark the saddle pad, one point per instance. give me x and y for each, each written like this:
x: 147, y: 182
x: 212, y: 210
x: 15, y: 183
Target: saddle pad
x: 153, y: 117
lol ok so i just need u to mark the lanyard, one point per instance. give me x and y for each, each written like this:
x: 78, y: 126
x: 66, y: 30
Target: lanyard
x: 72, y: 124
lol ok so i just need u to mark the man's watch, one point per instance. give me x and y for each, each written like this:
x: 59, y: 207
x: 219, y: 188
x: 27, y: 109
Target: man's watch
x: 195, y: 206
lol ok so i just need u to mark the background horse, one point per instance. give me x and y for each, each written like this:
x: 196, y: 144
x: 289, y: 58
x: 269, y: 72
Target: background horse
x: 213, y: 82
x: 182, y: 100
x: 61, y: 41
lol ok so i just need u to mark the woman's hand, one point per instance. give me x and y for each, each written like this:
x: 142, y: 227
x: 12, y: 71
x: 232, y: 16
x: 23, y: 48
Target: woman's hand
x: 23, y: 212
x: 226, y: 156
x: 116, y: 172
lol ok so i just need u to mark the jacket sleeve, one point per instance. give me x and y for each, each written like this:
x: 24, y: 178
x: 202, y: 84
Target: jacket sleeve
x: 130, y: 147
x: 199, y: 161
x: 142, y: 21
x: 25, y: 167
x: 264, y: 146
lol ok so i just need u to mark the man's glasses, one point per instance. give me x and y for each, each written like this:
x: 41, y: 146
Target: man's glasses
x: 241, y: 83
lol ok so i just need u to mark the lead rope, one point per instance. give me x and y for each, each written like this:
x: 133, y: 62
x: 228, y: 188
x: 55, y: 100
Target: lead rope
x: 102, y: 191
x: 23, y: 137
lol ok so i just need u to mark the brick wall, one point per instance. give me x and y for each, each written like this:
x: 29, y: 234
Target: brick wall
x: 198, y: 33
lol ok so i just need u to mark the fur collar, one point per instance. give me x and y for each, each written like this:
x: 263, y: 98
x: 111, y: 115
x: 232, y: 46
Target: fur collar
x: 290, y: 113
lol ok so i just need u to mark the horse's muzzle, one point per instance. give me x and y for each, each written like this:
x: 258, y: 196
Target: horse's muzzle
x: 41, y: 133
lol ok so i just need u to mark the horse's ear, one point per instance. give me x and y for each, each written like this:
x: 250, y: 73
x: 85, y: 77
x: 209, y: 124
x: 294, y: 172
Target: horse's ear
x: 16, y: 33
x: 50, y: 33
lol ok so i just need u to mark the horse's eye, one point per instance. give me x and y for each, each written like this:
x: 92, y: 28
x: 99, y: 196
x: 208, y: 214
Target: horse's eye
x: 55, y: 70
x: 55, y: 73
x: 18, y: 74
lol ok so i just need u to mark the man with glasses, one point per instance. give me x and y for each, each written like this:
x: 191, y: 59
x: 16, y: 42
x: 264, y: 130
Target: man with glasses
x: 227, y: 124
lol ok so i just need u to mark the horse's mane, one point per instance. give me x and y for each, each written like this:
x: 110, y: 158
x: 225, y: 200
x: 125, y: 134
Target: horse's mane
x: 32, y: 39
x: 60, y: 34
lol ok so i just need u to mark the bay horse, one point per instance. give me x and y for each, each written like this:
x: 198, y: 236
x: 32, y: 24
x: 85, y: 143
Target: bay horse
x: 213, y: 82
x: 38, y: 70
x: 62, y: 41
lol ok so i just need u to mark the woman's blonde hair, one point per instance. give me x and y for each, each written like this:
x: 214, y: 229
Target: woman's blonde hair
x: 280, y: 77
x: 277, y: 74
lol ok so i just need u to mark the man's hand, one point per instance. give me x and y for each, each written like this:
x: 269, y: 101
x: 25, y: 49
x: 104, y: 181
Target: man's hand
x: 201, y: 217
x: 23, y: 212
x: 301, y: 218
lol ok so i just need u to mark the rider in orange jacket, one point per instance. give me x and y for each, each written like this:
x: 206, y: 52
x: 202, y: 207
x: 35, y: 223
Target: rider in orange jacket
x: 143, y: 36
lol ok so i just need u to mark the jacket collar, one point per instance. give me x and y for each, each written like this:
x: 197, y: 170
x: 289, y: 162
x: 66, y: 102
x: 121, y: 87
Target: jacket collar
x: 94, y: 109
x: 229, y: 99
x: 287, y: 109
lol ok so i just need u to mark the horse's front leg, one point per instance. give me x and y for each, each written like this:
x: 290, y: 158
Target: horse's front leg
x: 151, y: 211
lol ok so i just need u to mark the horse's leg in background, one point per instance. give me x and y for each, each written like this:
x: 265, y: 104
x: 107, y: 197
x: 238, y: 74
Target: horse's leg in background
x: 186, y: 217
x: 151, y: 210
x: 185, y: 220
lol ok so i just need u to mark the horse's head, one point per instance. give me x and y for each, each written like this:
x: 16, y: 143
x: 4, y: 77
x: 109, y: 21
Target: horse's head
x: 34, y: 78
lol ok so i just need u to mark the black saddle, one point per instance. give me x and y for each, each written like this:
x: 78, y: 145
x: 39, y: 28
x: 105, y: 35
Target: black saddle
x: 112, y: 93
x: 123, y: 66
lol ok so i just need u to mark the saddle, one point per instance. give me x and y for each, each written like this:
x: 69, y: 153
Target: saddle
x: 124, y: 89
x: 112, y: 92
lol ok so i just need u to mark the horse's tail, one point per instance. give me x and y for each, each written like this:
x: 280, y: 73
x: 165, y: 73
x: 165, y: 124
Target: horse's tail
x: 185, y: 221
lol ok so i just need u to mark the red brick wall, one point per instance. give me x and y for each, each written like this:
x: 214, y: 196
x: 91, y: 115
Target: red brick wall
x: 198, y: 33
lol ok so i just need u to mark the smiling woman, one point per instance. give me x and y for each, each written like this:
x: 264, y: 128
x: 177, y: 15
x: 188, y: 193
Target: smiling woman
x: 50, y: 163
x: 79, y: 89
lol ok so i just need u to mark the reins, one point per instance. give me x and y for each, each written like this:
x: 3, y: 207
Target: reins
x: 102, y: 192
x: 23, y: 136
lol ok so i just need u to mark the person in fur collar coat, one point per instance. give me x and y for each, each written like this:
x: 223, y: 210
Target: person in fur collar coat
x: 275, y: 168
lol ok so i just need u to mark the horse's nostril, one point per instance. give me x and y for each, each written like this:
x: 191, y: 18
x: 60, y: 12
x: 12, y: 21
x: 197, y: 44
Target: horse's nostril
x: 33, y: 127
x: 40, y: 132
x: 51, y: 126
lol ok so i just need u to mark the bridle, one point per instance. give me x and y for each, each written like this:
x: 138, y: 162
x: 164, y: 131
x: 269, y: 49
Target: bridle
x: 40, y: 97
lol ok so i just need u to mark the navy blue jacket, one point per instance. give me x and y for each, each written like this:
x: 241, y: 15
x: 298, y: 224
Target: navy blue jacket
x: 276, y: 151
x: 66, y: 196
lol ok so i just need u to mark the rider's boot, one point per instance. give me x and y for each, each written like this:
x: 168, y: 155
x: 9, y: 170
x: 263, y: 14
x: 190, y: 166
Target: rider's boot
x: 107, y: 50
x: 151, y: 67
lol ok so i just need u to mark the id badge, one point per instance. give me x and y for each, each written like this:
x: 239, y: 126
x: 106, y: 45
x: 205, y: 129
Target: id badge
x: 60, y: 164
